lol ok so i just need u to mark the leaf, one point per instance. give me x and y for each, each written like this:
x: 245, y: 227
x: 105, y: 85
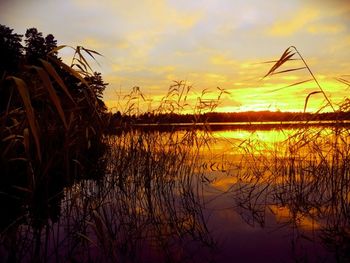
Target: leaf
x: 82, y: 59
x: 26, y: 141
x: 80, y: 64
x: 56, y: 49
x: 344, y: 81
x: 83, y: 71
x: 71, y: 71
x: 294, y: 84
x: 23, y: 189
x: 308, y: 96
x: 89, y: 51
x: 55, y: 99
x: 23, y: 91
x: 11, y: 137
x: 272, y: 61
x: 287, y: 55
x: 50, y: 69
x: 288, y: 70
x: 92, y: 51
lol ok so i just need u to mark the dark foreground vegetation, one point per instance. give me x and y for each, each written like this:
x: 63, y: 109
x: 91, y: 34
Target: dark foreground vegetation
x: 74, y: 192
x: 70, y: 193
x: 52, y: 121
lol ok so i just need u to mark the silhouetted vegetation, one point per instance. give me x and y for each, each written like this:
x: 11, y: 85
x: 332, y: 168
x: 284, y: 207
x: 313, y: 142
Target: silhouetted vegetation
x: 81, y: 184
x: 251, y: 116
x: 52, y: 121
x: 52, y: 143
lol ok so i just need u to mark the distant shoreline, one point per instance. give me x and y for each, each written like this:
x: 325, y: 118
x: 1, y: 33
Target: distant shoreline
x: 216, y: 126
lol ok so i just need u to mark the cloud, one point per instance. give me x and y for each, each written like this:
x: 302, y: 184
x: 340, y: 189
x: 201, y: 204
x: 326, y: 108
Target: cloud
x: 326, y: 28
x: 295, y: 23
x: 222, y: 60
x: 149, y: 43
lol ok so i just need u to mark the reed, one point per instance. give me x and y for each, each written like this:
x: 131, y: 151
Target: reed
x: 306, y: 175
x: 148, y: 206
x: 52, y: 125
x: 75, y: 193
x: 145, y: 203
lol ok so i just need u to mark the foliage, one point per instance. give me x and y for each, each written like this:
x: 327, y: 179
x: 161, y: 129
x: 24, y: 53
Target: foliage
x: 10, y: 50
x: 52, y: 118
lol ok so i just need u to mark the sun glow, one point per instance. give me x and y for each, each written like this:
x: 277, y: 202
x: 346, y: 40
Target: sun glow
x: 208, y: 44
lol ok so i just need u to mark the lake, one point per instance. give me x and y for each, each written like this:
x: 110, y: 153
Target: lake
x: 273, y: 194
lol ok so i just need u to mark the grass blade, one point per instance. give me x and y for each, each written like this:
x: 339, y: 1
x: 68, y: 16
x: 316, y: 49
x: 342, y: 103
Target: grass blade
x: 308, y: 96
x: 23, y: 91
x: 57, y: 49
x: 287, y: 55
x: 82, y: 60
x: 272, y: 61
x: 55, y: 99
x: 288, y: 70
x: 71, y: 71
x: 53, y: 73
x: 89, y: 51
x: 344, y: 81
x: 26, y: 141
x: 294, y: 84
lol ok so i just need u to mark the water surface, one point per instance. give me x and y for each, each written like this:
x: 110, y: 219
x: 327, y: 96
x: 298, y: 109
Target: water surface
x: 228, y: 195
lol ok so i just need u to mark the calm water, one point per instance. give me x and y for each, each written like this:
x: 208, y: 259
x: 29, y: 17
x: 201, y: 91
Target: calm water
x: 273, y: 195
x: 251, y: 222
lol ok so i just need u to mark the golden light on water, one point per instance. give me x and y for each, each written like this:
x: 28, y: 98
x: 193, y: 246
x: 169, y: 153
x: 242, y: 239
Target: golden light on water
x: 284, y: 215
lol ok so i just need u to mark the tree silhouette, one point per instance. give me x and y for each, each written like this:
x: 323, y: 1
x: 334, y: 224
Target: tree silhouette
x: 35, y: 45
x: 97, y: 84
x: 50, y: 44
x: 10, y: 50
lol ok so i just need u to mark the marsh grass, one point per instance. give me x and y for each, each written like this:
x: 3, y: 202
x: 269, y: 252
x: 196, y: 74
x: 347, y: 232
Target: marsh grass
x: 306, y: 177
x: 309, y: 180
x: 289, y: 55
x: 51, y: 135
x: 148, y: 207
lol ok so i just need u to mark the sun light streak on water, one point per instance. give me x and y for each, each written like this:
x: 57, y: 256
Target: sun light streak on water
x: 241, y: 158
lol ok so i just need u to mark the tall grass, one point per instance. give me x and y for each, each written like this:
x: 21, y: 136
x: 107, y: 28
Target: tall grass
x: 51, y: 133
x: 145, y: 202
x: 307, y: 176
x: 148, y: 207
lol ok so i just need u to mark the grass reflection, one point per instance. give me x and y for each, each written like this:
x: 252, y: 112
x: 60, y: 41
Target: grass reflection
x: 158, y: 199
x: 302, y: 179
x: 148, y: 208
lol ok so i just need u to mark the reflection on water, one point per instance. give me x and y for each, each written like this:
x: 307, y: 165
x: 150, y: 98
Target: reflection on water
x: 277, y: 195
x: 290, y: 181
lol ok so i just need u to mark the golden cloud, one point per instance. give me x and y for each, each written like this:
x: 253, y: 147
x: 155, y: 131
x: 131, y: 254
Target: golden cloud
x: 294, y: 24
x: 328, y: 29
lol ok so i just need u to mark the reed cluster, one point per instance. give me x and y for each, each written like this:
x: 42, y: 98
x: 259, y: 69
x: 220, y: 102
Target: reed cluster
x: 306, y: 177
x: 148, y: 207
x: 52, y: 120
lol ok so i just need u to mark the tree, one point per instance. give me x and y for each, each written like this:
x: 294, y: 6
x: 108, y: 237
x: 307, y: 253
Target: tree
x: 10, y: 50
x: 97, y: 86
x: 35, y: 45
x: 50, y: 44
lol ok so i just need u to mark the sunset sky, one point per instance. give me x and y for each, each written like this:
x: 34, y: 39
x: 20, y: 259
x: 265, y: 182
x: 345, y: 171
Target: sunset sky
x: 207, y: 43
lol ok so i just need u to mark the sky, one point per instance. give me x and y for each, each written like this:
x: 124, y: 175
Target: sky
x: 205, y: 43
